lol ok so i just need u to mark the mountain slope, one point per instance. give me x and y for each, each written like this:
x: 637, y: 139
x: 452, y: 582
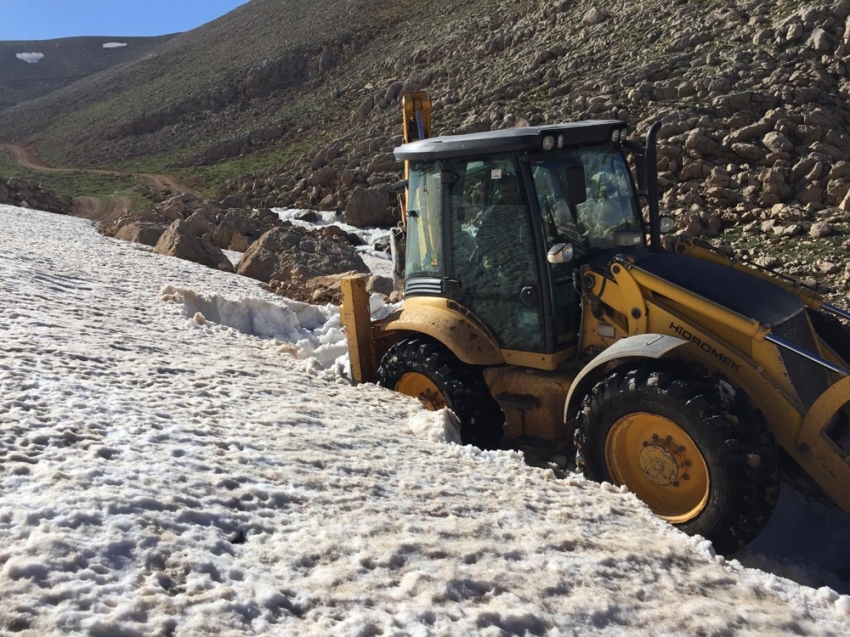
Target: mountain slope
x: 227, y: 62
x: 54, y: 64
x: 296, y: 103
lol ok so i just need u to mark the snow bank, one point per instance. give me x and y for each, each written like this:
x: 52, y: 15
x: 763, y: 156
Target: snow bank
x: 162, y: 479
x: 30, y: 58
x: 307, y: 332
x: 114, y: 45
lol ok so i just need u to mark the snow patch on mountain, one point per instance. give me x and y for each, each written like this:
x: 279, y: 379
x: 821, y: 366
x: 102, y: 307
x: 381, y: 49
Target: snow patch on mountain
x: 30, y: 58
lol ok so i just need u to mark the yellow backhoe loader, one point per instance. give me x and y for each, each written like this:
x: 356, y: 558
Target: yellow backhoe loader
x: 541, y: 307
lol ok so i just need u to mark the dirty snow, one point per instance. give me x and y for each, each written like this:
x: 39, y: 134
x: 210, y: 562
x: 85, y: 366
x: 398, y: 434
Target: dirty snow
x: 30, y: 58
x: 164, y: 473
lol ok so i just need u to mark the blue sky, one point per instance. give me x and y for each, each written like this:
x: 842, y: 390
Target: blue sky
x: 49, y: 19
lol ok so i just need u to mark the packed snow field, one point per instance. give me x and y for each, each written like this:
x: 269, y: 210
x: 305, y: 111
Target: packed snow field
x: 180, y: 454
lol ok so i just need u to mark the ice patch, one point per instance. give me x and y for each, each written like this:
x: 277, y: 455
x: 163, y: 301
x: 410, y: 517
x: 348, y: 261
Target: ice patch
x: 30, y: 58
x: 114, y: 45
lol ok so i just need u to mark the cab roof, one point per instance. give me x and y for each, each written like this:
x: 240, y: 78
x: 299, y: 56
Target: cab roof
x: 509, y: 140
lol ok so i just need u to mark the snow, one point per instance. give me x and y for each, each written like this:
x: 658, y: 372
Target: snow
x: 163, y: 472
x: 376, y: 260
x: 30, y: 58
x: 114, y: 45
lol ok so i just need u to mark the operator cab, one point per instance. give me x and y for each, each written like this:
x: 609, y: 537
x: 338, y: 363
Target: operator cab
x: 499, y: 221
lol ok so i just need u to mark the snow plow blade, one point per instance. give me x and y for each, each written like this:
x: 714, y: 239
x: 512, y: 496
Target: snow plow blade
x: 825, y: 449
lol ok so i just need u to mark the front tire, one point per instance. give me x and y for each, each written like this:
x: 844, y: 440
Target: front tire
x: 427, y: 370
x: 686, y: 443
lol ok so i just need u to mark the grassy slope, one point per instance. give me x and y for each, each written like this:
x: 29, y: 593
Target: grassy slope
x: 75, y: 184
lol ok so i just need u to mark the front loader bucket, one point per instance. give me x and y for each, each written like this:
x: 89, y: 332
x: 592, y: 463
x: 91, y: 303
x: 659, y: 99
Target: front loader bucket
x: 823, y: 447
x: 358, y: 327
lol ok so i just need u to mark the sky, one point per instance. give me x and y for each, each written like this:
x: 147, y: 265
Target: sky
x: 176, y: 458
x: 49, y: 19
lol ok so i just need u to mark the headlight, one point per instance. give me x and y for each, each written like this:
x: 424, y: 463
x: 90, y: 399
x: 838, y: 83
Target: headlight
x: 615, y: 136
x: 560, y: 141
x: 548, y: 142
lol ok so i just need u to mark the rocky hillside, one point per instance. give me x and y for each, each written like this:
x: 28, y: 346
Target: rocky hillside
x: 752, y: 95
x: 19, y: 192
x: 31, y: 69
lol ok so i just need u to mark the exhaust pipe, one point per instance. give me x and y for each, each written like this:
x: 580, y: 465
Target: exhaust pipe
x: 652, y: 187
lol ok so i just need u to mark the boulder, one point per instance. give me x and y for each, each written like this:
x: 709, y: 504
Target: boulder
x: 233, y: 202
x: 238, y: 243
x: 199, y: 223
x: 820, y: 229
x: 144, y: 232
x: 235, y: 223
x: 363, y: 112
x: 820, y: 41
x: 289, y: 253
x: 811, y: 194
x: 178, y: 242
x: 143, y: 216
x: 778, y: 143
x: 368, y: 207
x: 593, y: 16
x: 380, y: 284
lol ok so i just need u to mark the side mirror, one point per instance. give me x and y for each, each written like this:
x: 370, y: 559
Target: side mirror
x: 560, y: 253
x: 576, y: 184
x: 666, y: 224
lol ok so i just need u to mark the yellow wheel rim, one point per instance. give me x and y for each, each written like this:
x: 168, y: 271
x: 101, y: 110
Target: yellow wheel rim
x: 660, y: 464
x: 421, y: 387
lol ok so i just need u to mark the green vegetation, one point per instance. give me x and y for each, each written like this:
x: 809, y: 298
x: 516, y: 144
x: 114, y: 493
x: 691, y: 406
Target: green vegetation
x: 216, y: 175
x: 8, y: 168
x: 156, y: 164
x: 71, y: 185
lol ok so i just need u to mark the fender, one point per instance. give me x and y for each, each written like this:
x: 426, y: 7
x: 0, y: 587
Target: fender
x: 643, y: 346
x: 450, y: 324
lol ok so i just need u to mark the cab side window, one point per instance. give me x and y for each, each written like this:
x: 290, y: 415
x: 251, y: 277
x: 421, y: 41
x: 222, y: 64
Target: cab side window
x: 424, y: 249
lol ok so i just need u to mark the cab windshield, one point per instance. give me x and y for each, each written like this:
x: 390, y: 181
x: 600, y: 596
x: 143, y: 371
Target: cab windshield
x: 611, y: 205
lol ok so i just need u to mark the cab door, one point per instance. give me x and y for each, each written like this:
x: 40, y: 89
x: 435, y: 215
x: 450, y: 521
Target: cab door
x: 494, y: 270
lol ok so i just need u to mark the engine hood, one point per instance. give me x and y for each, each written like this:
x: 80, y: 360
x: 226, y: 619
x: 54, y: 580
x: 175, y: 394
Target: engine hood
x: 739, y: 292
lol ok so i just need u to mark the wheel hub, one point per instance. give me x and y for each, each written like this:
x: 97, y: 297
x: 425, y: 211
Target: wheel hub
x: 660, y: 463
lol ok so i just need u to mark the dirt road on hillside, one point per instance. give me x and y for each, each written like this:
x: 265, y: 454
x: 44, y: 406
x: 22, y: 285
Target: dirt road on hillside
x: 101, y: 211
x: 26, y: 158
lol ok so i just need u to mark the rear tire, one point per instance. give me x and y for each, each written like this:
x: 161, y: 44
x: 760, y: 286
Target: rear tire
x: 425, y: 369
x: 712, y: 471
